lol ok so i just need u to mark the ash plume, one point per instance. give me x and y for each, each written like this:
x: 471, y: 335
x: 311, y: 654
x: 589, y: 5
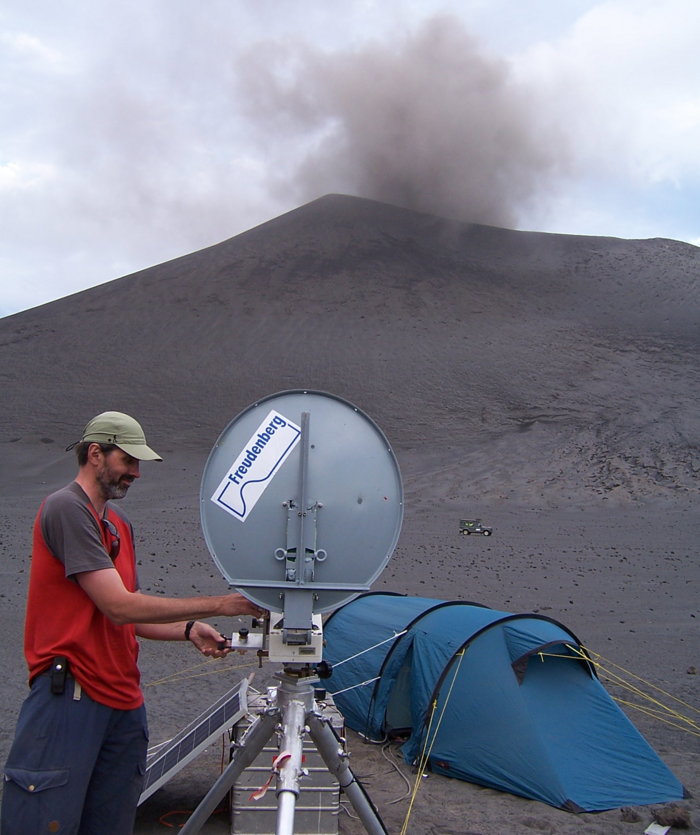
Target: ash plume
x: 426, y: 122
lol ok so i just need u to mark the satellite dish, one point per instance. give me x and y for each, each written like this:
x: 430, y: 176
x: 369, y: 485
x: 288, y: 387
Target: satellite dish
x: 301, y: 505
x: 301, y: 497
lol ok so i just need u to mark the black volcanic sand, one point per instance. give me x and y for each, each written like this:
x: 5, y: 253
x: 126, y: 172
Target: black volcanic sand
x: 624, y: 579
x: 547, y: 383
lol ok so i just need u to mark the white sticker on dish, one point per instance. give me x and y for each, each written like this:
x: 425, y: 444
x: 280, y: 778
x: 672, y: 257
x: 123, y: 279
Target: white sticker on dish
x: 256, y: 466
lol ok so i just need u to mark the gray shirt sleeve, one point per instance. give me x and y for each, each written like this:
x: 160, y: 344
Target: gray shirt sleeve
x: 72, y: 533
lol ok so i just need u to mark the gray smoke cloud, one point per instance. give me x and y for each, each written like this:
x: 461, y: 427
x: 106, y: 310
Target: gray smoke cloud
x: 426, y: 121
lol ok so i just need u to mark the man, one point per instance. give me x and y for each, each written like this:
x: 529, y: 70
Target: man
x: 77, y: 762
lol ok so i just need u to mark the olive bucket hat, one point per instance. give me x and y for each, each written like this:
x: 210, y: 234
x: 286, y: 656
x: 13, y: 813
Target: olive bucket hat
x: 122, y: 431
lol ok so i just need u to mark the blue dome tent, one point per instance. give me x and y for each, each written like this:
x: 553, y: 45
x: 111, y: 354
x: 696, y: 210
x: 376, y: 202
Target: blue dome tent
x: 506, y: 701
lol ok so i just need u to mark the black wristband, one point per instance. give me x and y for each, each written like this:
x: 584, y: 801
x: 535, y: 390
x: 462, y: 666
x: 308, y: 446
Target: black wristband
x: 188, y: 629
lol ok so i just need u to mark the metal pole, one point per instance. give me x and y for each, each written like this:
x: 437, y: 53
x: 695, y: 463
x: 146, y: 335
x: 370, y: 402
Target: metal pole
x: 337, y: 763
x: 303, y: 498
x: 252, y: 744
x: 293, y: 730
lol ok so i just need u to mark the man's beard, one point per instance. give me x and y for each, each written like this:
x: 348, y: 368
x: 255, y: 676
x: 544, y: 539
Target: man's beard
x: 111, y: 486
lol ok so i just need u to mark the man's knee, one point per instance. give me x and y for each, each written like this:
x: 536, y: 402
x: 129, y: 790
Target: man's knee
x: 117, y: 778
x: 38, y: 800
x: 49, y: 764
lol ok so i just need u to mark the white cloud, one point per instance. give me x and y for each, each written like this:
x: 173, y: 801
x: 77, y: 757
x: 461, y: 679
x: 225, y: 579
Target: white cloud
x: 14, y: 175
x: 624, y: 83
x: 31, y: 50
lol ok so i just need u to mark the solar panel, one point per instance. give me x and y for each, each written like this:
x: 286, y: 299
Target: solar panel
x: 192, y: 740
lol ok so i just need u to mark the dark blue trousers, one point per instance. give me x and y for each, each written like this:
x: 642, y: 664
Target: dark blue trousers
x: 75, y: 768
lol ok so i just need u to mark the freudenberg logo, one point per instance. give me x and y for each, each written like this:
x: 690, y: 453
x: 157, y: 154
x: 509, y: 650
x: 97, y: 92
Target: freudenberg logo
x: 255, y: 467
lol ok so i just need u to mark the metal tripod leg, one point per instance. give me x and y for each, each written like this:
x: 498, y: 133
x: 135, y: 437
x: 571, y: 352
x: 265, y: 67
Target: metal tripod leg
x: 253, y: 744
x: 297, y: 711
x: 337, y: 763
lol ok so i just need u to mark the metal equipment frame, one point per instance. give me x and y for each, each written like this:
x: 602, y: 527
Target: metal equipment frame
x: 291, y: 717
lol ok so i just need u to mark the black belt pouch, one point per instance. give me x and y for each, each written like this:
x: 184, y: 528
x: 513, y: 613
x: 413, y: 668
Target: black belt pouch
x: 58, y: 673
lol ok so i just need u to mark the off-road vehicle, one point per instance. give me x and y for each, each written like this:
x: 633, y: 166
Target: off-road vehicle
x: 469, y: 526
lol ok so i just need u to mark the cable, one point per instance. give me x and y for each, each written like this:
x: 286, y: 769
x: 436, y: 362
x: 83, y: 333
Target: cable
x: 158, y: 745
x: 355, y: 686
x: 347, y: 811
x: 395, y: 766
x: 369, y: 649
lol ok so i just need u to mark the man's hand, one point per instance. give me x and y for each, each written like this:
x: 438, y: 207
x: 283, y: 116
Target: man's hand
x: 207, y: 640
x: 236, y: 604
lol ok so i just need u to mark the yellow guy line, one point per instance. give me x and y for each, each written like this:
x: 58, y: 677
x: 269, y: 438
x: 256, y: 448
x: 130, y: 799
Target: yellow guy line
x: 180, y: 675
x: 620, y: 682
x: 181, y: 672
x: 655, y: 715
x: 421, y: 765
x: 662, y: 709
x: 661, y: 714
x: 425, y: 754
x: 627, y: 672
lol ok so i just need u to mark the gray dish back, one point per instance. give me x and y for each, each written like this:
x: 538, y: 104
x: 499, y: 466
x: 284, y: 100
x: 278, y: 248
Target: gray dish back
x: 354, y: 498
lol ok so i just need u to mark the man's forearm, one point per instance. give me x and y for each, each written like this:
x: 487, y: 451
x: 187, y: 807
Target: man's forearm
x: 208, y: 640
x: 148, y: 609
x: 106, y: 589
x: 162, y: 631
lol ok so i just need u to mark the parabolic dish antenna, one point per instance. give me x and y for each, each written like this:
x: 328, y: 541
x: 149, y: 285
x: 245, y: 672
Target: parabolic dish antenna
x: 301, y: 495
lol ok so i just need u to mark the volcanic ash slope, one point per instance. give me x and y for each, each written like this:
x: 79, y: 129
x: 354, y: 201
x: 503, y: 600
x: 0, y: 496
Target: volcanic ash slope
x: 537, y: 367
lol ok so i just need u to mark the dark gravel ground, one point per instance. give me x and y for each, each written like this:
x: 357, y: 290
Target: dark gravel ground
x: 623, y: 578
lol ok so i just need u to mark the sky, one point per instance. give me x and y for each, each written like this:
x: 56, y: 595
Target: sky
x: 132, y: 133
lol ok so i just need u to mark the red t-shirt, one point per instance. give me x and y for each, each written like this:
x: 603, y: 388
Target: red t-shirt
x: 61, y: 619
